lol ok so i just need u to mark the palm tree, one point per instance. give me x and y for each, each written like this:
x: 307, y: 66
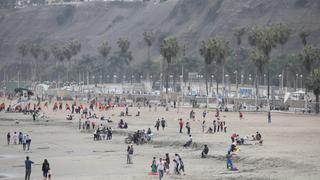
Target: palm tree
x: 263, y: 39
x: 148, y: 37
x: 282, y: 35
x: 238, y: 34
x: 220, y: 48
x: 309, y: 57
x: 303, y: 36
x: 169, y: 49
x: 57, y: 52
x: 35, y: 51
x: 104, y: 50
x: 313, y: 82
x: 45, y: 54
x: 123, y: 57
x: 23, y: 51
x: 71, y: 49
x: 207, y: 52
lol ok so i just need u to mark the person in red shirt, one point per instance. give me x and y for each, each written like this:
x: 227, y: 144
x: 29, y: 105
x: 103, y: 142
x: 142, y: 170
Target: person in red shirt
x: 180, y: 125
x: 240, y: 115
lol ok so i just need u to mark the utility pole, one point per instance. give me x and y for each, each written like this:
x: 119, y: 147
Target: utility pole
x: 269, y: 108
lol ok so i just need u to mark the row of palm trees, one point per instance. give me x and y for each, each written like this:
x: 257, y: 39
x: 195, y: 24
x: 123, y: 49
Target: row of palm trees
x: 262, y: 39
x: 215, y: 51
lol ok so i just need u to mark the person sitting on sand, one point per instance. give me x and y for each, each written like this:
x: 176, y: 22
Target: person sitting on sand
x: 125, y: 126
x: 258, y: 136
x: 205, y: 151
x: 210, y: 130
x: 188, y: 143
x: 121, y: 124
x: 69, y: 117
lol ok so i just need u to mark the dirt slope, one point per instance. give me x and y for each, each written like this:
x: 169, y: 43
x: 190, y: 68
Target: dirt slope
x: 190, y: 20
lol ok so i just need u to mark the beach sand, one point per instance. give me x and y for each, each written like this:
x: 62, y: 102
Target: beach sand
x: 290, y: 150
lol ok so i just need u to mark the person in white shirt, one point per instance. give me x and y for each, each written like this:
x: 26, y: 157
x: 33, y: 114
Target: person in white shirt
x: 160, y: 168
x: 15, y: 137
x: 24, y: 142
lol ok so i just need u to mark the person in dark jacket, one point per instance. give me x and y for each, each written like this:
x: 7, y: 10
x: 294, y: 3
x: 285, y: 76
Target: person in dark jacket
x: 45, y: 168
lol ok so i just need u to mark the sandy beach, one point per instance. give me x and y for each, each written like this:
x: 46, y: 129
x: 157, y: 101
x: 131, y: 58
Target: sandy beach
x: 290, y: 149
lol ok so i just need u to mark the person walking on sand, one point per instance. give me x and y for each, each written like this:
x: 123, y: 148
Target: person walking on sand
x: 157, y: 124
x: 167, y: 164
x: 204, y: 114
x: 24, y: 142
x: 203, y: 125
x: 160, y: 168
x: 240, y: 115
x: 181, y: 168
x: 163, y: 123
x: 128, y: 160
x: 45, y: 168
x: 130, y: 153
x: 20, y: 137
x: 154, y: 166
x: 15, y: 138
x: 8, y: 138
x: 28, y: 140
x: 188, y: 127
x: 180, y: 125
x: 28, y: 164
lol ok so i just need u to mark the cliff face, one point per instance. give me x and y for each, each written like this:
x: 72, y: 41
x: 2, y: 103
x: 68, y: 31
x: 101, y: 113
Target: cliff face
x: 191, y: 21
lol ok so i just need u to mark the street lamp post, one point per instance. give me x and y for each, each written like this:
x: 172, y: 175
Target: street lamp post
x: 237, y: 84
x: 211, y: 87
x: 226, y: 94
x: 242, y: 77
x: 132, y: 78
x: 301, y: 76
x: 171, y: 79
x: 280, y: 86
x: 296, y: 83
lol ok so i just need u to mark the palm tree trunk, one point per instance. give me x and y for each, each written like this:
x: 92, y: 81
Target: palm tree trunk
x: 207, y: 80
x: 223, y: 86
x: 217, y: 81
x: 167, y: 83
x: 257, y: 87
x: 207, y: 85
x: 149, y: 65
x: 167, y: 77
x: 317, y: 103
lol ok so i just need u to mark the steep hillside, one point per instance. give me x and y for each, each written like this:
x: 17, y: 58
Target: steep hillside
x: 190, y: 20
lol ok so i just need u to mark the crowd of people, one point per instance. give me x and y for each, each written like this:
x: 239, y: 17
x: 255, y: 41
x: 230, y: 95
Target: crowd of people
x: 16, y: 138
x: 165, y: 166
x: 89, y: 121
